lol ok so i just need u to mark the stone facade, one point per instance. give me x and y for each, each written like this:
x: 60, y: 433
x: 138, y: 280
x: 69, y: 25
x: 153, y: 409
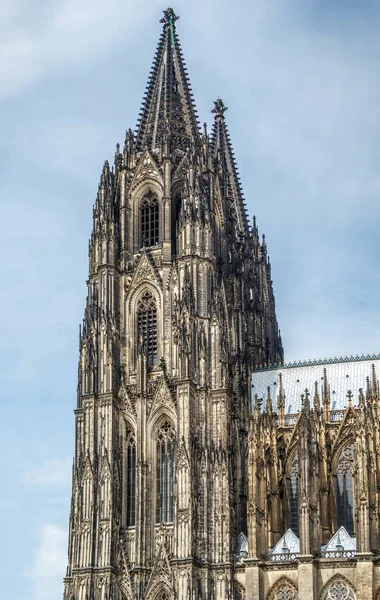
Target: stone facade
x: 179, y: 489
x: 313, y: 495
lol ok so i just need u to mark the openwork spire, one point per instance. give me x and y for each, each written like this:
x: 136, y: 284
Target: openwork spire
x: 223, y: 153
x: 168, y: 111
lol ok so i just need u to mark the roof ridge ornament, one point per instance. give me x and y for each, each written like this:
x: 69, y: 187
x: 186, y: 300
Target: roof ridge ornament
x: 170, y: 18
x: 219, y: 108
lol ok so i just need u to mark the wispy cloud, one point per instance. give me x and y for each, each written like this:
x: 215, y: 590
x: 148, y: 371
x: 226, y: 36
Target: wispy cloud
x: 39, y: 38
x: 47, y: 566
x: 53, y: 473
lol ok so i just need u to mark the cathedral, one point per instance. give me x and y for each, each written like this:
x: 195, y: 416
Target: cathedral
x: 205, y: 467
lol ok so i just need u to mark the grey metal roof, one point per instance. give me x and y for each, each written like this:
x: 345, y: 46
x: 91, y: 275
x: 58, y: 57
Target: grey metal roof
x: 343, y: 374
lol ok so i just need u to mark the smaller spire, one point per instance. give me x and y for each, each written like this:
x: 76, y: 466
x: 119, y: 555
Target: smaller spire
x: 361, y: 398
x: 317, y: 403
x: 326, y: 395
x: 268, y: 407
x: 257, y: 407
x: 368, y: 390
x: 307, y: 399
x: 219, y: 108
x: 374, y: 381
x: 281, y: 401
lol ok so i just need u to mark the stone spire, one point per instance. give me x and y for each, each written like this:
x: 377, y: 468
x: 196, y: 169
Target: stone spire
x: 225, y: 159
x: 168, y: 108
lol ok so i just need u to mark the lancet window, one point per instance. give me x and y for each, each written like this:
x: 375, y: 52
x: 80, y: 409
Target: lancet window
x: 131, y: 478
x: 345, y: 489
x: 294, y: 495
x: 149, y: 220
x: 165, y: 473
x: 147, y: 327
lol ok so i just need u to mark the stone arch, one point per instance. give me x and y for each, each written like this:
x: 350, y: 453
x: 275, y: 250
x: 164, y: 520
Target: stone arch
x: 160, y: 591
x: 130, y: 324
x: 283, y: 589
x: 157, y: 418
x: 138, y: 292
x: 339, y: 449
x: 342, y: 486
x: 138, y: 193
x: 338, y: 588
x: 150, y: 217
x: 292, y: 489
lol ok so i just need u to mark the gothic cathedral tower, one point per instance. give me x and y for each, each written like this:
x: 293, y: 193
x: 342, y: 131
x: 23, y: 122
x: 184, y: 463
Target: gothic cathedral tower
x: 179, y: 308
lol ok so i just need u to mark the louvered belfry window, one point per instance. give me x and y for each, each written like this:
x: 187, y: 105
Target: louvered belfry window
x: 147, y: 327
x: 131, y: 479
x: 165, y: 473
x: 149, y: 220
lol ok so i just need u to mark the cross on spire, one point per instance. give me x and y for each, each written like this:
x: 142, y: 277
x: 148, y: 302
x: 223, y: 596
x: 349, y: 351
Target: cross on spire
x: 169, y: 17
x: 219, y: 108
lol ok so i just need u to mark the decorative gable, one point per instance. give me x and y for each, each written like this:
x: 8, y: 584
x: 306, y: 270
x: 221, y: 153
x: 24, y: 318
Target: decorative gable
x: 126, y: 401
x: 161, y: 573
x: 242, y: 546
x: 182, y: 456
x: 146, y: 272
x: 288, y: 544
x: 146, y: 169
x: 340, y: 541
x: 162, y: 398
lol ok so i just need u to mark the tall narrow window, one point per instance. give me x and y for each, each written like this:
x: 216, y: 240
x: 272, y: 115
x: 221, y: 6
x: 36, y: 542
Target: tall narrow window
x: 147, y: 327
x: 149, y: 220
x: 345, y: 489
x: 294, y: 495
x: 131, y: 479
x: 165, y: 473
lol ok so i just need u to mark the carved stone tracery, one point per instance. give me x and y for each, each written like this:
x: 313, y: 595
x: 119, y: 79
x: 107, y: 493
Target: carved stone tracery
x: 339, y: 590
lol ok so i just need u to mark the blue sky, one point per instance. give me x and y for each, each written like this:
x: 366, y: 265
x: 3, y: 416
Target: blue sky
x: 301, y: 82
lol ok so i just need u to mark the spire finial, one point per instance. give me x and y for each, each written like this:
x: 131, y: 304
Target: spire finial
x: 219, y: 108
x: 170, y: 18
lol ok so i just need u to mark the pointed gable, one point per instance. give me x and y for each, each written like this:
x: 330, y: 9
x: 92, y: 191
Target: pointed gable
x: 168, y: 107
x: 242, y: 545
x: 146, y: 271
x: 341, y: 541
x: 162, y: 397
x: 146, y: 169
x: 161, y: 573
x: 288, y: 544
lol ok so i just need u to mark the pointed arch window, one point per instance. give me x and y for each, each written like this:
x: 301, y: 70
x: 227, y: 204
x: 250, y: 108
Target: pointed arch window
x: 147, y: 327
x: 165, y: 473
x: 294, y: 495
x: 283, y: 589
x: 339, y: 590
x: 131, y: 478
x: 149, y: 213
x: 345, y: 489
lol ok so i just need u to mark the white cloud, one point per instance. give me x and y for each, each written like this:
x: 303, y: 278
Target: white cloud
x: 49, y: 562
x: 53, y: 473
x: 41, y: 38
